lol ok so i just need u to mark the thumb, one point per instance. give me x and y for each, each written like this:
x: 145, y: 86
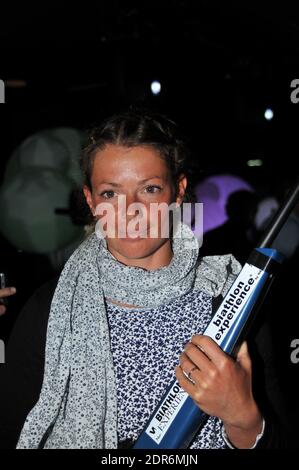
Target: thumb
x: 243, y: 357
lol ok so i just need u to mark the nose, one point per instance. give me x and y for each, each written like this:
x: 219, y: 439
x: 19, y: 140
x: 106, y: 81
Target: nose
x: 126, y: 206
x: 129, y: 202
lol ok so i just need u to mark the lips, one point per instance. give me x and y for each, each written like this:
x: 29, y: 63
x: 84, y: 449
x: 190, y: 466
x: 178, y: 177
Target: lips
x: 131, y: 237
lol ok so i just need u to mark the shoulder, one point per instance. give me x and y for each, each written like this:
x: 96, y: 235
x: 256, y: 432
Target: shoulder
x: 216, y: 274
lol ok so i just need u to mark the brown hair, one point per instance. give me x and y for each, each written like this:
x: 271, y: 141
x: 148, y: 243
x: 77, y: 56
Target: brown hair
x: 139, y: 127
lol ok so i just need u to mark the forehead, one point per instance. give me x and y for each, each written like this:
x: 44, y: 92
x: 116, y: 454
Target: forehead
x: 119, y: 162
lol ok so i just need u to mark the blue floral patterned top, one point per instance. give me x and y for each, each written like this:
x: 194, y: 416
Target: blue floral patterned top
x: 146, y: 345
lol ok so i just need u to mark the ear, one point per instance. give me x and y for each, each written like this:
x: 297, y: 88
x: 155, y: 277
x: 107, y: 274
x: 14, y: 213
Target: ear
x: 88, y: 197
x: 182, y: 185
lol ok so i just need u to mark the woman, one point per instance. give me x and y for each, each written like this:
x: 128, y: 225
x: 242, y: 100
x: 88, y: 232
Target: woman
x: 128, y: 311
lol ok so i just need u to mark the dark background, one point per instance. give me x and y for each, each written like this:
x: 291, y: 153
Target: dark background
x: 220, y: 64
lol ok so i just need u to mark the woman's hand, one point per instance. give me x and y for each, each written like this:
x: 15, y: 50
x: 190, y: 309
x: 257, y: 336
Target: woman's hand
x: 6, y: 292
x: 221, y: 387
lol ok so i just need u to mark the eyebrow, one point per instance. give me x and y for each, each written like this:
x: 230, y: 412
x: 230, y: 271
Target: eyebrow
x: 116, y: 185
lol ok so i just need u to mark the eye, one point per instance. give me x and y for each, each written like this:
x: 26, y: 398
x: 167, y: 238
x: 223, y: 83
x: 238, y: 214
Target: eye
x: 108, y: 194
x: 153, y: 189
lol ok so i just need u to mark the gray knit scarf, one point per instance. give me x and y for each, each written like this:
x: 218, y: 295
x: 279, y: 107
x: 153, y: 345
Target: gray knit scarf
x: 77, y: 407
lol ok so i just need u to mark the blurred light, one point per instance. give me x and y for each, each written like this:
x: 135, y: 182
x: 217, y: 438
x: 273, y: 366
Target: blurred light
x: 155, y: 87
x: 269, y: 114
x: 256, y: 162
x: 15, y: 83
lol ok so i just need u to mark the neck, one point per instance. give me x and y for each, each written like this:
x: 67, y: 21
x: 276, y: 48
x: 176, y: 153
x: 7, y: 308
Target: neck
x: 156, y: 260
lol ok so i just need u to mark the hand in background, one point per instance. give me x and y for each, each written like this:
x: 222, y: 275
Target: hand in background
x: 6, y: 292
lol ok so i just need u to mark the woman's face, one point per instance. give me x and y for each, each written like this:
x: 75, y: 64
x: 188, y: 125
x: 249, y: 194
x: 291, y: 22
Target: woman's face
x: 135, y: 175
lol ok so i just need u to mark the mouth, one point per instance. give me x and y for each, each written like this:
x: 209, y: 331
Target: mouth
x: 133, y: 238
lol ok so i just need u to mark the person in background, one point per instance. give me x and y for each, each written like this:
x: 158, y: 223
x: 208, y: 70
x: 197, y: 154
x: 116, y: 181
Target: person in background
x: 238, y: 234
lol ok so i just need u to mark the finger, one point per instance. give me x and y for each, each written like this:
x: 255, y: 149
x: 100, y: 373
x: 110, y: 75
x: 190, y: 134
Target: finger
x: 243, y: 357
x: 189, y: 368
x: 185, y: 363
x: 2, y: 310
x: 198, y: 357
x: 211, y: 349
x: 7, y: 291
x: 185, y: 383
